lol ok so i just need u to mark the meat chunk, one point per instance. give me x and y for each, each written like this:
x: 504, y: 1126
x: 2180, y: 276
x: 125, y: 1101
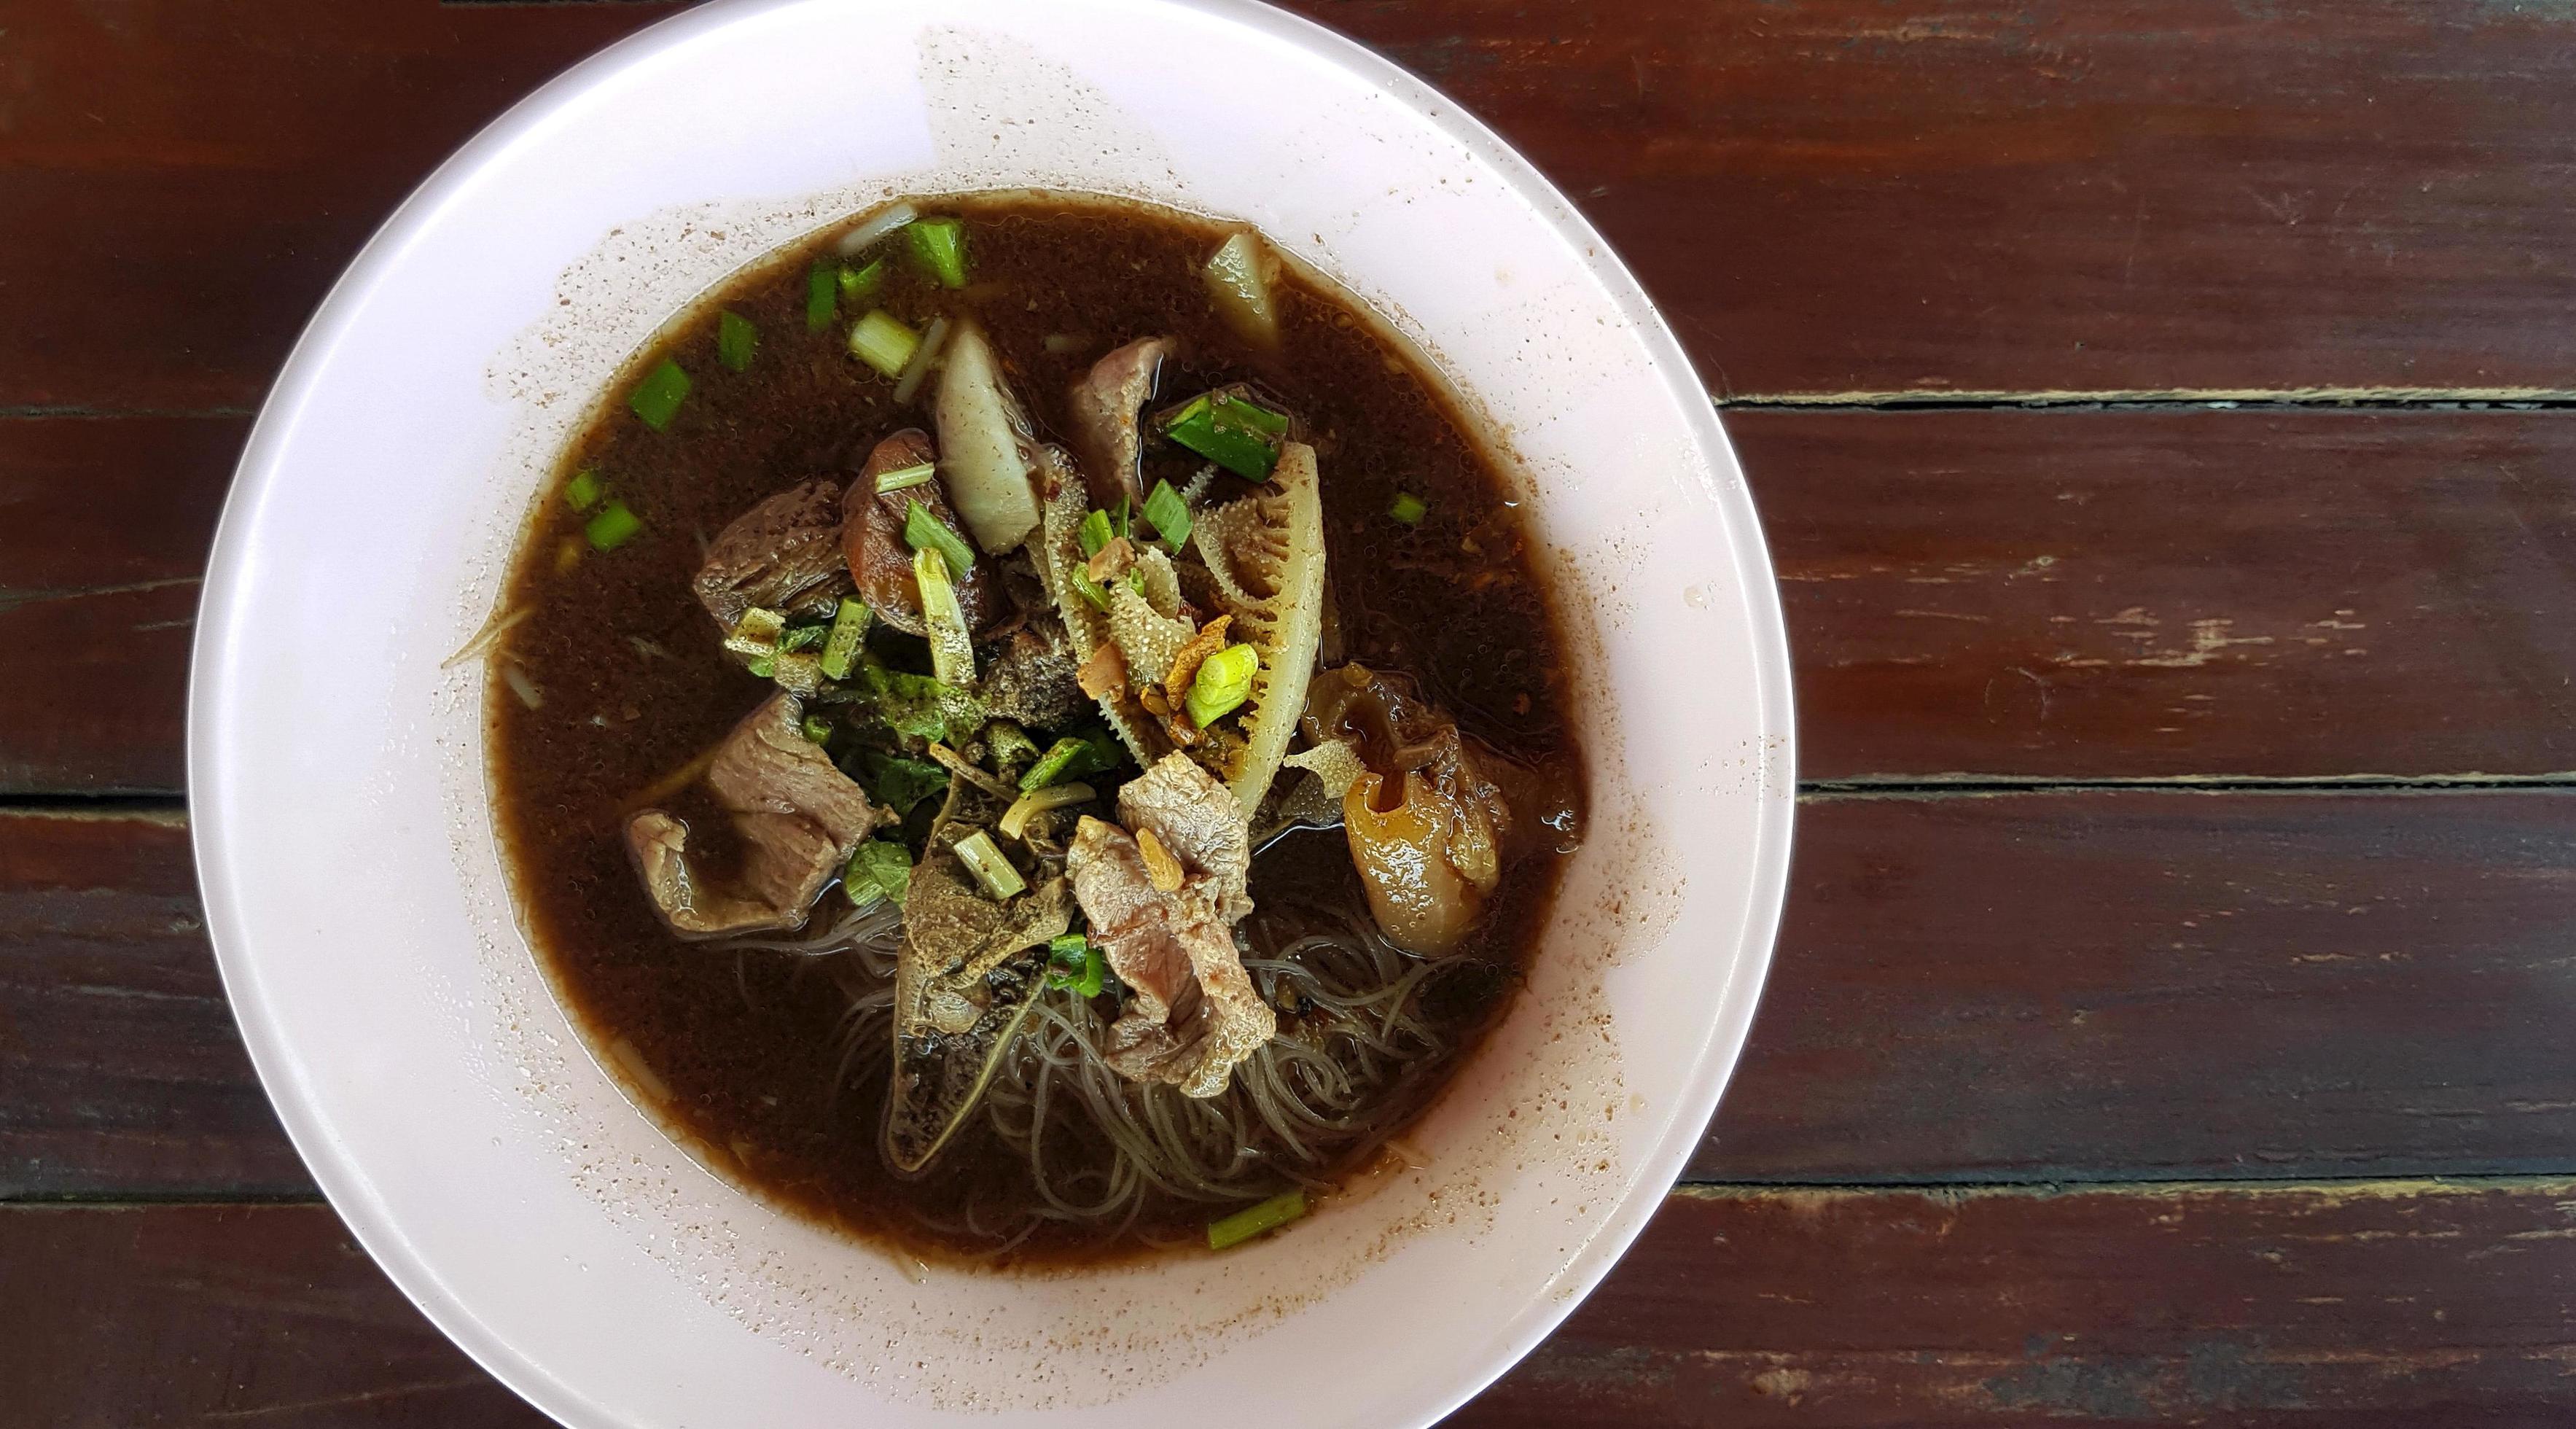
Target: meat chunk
x: 1195, y: 1013
x: 871, y: 539
x: 1033, y: 678
x: 1103, y: 408
x: 795, y: 816
x: 784, y: 553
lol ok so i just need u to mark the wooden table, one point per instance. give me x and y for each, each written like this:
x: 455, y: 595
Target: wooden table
x: 2158, y: 409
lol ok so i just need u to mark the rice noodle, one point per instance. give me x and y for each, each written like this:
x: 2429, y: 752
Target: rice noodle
x: 1358, y: 1054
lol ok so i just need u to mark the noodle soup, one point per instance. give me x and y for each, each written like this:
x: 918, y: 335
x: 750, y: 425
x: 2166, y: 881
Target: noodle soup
x: 1026, y: 729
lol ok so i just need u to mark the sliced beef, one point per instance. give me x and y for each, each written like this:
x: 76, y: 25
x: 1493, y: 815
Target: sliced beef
x: 793, y: 815
x: 1195, y: 1013
x: 784, y: 553
x: 871, y: 540
x: 1104, y: 407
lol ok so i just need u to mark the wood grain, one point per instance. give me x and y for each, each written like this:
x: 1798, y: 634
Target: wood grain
x: 2038, y: 595
x: 2087, y: 986
x: 2179, y: 591
x: 1851, y: 196
x: 2360, y: 1304
x: 104, y: 527
x: 2096, y: 986
x: 1830, y: 196
x: 120, y: 1071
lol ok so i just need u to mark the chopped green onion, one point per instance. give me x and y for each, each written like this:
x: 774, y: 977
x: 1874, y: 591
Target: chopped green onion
x: 1068, y: 758
x: 860, y: 283
x: 907, y: 478
x: 984, y: 860
x: 820, y: 303
x: 1015, y: 819
x: 765, y: 666
x: 1169, y: 515
x: 804, y: 637
x: 1224, y: 682
x: 613, y: 527
x: 1124, y: 522
x: 925, y: 532
x: 757, y: 633
x: 880, y: 871
x: 1251, y: 1221
x: 1075, y: 965
x: 736, y: 339
x: 1089, y: 589
x: 841, y: 646
x: 952, y: 646
x: 1409, y: 508
x: 658, y: 397
x: 818, y: 729
x: 1095, y: 533
x: 882, y: 343
x: 1233, y: 433
x: 583, y: 491
x: 1136, y: 579
x: 940, y: 244
x: 899, y: 783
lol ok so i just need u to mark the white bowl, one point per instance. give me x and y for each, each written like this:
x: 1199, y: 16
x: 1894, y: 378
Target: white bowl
x: 345, y: 843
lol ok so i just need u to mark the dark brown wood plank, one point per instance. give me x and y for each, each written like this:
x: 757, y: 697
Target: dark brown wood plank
x: 179, y: 183
x: 260, y: 1315
x: 2360, y: 1304
x: 104, y: 526
x: 1831, y: 196
x: 2179, y: 591
x: 120, y: 1071
x: 2105, y: 985
x: 1851, y: 195
x: 2049, y: 595
x: 2038, y: 987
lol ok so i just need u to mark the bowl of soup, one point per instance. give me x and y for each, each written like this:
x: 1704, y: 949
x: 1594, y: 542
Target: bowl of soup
x: 1053, y: 710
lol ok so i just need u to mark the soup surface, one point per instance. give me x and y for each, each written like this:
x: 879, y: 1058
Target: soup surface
x: 1151, y: 1064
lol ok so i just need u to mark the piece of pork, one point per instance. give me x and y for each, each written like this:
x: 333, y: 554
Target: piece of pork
x: 1195, y: 1013
x: 784, y: 554
x: 871, y: 540
x: 794, y: 815
x: 1103, y: 408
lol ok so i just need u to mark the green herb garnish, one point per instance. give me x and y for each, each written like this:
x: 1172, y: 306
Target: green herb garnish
x: 613, y: 527
x: 1233, y: 433
x: 657, y: 398
x: 940, y: 244
x: 841, y: 646
x: 925, y: 532
x: 1409, y: 508
x: 983, y: 858
x: 736, y: 339
x: 859, y: 284
x: 899, y: 783
x: 1169, y: 515
x: 880, y: 871
x: 1073, y: 964
x: 1223, y: 683
x: 1251, y: 1221
x: 821, y: 285
x: 883, y: 343
x: 583, y: 491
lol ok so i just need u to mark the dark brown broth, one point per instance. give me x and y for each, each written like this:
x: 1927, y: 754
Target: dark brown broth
x: 635, y: 686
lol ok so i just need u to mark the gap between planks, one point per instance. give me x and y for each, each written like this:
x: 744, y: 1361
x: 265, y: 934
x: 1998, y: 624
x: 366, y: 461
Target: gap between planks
x: 2340, y: 1188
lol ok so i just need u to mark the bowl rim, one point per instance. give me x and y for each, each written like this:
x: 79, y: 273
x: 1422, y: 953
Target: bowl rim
x: 372, y: 1225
